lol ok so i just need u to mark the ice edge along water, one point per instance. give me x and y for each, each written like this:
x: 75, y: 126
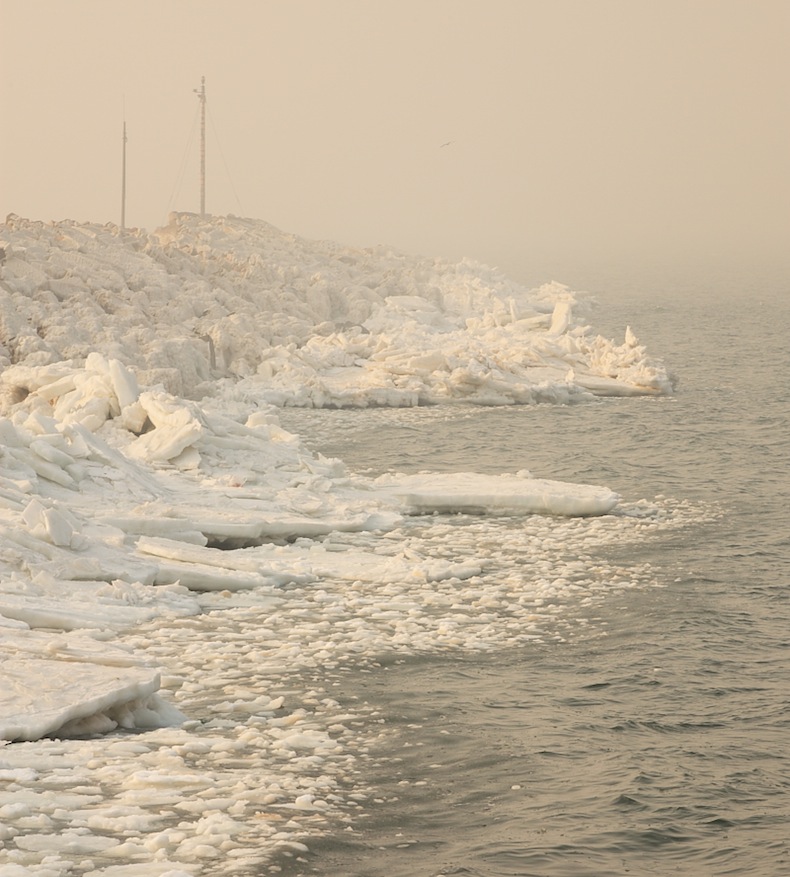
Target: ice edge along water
x: 142, y: 463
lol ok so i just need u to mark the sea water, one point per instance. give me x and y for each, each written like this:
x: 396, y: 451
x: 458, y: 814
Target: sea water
x: 646, y: 732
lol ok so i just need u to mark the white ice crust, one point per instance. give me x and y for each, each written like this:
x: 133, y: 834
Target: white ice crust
x: 143, y: 465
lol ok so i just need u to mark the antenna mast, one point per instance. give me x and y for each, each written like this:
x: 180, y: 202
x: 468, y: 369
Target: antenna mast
x: 123, y: 181
x: 202, y: 98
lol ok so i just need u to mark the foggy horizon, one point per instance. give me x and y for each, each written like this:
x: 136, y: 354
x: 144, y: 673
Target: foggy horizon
x: 520, y: 134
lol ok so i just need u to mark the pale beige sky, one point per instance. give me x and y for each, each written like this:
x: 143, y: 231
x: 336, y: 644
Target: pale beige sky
x: 574, y: 128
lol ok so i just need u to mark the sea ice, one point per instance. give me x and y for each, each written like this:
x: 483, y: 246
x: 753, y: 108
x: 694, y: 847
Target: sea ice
x: 110, y: 482
x: 145, y: 479
x: 497, y: 494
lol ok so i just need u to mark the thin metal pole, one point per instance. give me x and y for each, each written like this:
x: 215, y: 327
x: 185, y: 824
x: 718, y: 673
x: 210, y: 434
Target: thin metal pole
x: 123, y: 181
x: 202, y: 97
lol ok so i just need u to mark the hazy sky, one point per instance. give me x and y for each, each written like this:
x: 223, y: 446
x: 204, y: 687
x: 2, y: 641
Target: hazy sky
x: 573, y: 128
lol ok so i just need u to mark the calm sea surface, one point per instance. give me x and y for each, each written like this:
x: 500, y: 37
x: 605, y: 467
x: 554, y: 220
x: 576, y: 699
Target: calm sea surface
x: 651, y: 736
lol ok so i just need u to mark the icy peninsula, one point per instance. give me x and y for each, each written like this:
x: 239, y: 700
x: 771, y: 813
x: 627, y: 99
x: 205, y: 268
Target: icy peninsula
x: 146, y: 485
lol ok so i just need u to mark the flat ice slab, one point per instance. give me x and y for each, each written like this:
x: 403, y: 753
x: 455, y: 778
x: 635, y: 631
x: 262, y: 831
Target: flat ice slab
x: 53, y: 685
x: 497, y: 495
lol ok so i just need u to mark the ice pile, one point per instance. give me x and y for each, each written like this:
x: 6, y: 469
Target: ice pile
x: 145, y: 480
x: 307, y: 323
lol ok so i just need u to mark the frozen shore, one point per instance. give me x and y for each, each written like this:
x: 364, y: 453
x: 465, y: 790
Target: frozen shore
x: 144, y: 473
x: 137, y: 435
